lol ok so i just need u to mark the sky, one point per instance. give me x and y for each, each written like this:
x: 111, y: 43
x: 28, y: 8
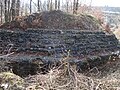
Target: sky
x: 114, y: 3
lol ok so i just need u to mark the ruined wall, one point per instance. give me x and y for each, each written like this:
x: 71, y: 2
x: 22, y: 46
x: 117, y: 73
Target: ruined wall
x: 57, y: 43
x: 51, y: 45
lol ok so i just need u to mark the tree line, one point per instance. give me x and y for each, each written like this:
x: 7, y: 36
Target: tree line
x: 10, y: 9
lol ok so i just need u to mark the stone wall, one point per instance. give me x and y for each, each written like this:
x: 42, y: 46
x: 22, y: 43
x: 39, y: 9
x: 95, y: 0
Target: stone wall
x: 45, y: 46
x: 57, y: 43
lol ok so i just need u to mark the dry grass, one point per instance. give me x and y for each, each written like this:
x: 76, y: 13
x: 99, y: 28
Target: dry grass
x: 69, y: 79
x: 117, y: 33
x: 10, y: 81
x: 65, y: 77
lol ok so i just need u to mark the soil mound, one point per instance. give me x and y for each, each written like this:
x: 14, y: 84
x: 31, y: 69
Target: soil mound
x: 54, y: 20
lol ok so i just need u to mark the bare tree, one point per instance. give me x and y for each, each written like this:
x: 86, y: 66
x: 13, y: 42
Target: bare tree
x: 67, y: 5
x: 51, y: 5
x: 6, y: 13
x: 58, y: 4
x: 13, y: 9
x: 75, y: 6
x: 30, y: 6
x: 38, y: 5
x: 1, y: 11
x: 17, y: 7
x: 8, y: 10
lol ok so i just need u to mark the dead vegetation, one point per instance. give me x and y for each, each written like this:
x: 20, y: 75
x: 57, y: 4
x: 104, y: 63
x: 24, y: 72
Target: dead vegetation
x: 69, y: 79
x: 54, y: 20
x: 104, y: 78
x: 65, y: 77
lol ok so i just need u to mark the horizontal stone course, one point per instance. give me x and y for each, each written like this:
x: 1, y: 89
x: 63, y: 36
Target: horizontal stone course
x: 52, y: 42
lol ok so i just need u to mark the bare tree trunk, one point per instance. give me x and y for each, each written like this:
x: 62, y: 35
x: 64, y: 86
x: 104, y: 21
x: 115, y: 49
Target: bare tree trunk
x: 6, y: 13
x: 55, y: 4
x: 67, y: 3
x: 9, y: 14
x: 17, y: 7
x: 13, y: 9
x: 30, y: 6
x: 1, y: 12
x: 74, y: 3
x: 76, y: 8
x: 38, y: 5
x: 58, y: 4
x: 51, y: 5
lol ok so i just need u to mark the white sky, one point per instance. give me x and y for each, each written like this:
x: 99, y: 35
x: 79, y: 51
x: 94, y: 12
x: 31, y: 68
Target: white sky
x: 114, y: 3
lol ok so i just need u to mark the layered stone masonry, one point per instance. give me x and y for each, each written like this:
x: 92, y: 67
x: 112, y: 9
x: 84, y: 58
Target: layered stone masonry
x: 33, y: 47
x: 57, y: 43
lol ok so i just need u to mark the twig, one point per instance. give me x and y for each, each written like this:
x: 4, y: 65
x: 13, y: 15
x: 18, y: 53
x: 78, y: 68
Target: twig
x: 5, y: 56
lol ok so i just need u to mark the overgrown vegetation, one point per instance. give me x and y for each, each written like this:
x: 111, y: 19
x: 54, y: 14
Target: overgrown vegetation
x: 65, y: 77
